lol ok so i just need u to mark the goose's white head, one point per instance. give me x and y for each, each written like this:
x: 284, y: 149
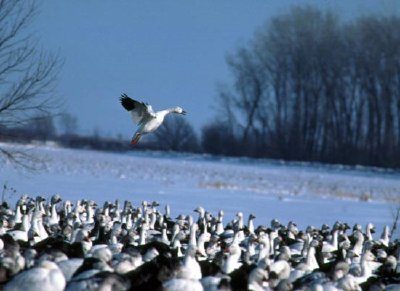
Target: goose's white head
x: 179, y: 110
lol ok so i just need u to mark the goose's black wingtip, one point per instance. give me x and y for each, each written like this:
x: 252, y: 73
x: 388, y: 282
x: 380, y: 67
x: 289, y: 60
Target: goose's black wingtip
x: 127, y: 102
x: 123, y: 96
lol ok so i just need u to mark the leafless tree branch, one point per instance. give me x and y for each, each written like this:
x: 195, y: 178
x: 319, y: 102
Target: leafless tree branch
x: 176, y: 134
x: 21, y: 158
x: 28, y: 74
x: 396, y: 218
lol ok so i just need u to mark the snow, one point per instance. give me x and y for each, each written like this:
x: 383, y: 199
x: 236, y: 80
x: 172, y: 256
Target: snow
x: 308, y: 194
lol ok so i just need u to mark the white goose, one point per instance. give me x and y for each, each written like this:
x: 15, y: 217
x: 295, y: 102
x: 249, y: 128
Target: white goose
x: 21, y: 233
x: 232, y: 261
x: 37, y: 232
x: 54, y: 218
x: 385, y: 237
x: 358, y: 246
x: 370, y: 229
x: 45, y: 277
x: 144, y: 116
x: 190, y: 268
x: 220, y: 224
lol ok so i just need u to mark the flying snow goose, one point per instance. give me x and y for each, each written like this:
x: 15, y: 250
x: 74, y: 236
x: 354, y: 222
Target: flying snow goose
x: 144, y: 116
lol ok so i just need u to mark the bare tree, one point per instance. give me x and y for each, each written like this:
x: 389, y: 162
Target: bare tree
x: 27, y: 73
x: 43, y: 127
x: 68, y: 123
x: 218, y: 138
x: 396, y: 218
x: 176, y: 134
x: 310, y: 87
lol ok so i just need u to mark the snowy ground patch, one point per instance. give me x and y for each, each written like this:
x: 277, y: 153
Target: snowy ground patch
x: 304, y: 193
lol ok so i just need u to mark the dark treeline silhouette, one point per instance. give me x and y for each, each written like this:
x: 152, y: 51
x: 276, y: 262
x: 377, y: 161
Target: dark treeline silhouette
x: 43, y: 129
x: 176, y: 134
x: 311, y: 87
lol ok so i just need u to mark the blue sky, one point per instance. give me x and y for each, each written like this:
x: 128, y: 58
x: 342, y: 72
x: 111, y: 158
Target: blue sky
x: 166, y: 53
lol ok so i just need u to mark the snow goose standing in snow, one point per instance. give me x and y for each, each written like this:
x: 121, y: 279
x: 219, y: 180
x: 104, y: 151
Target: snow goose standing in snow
x: 257, y: 278
x: 220, y: 223
x: 193, y: 234
x: 250, y: 224
x: 367, y: 267
x: 232, y: 260
x: 202, y: 239
x: 358, y: 246
x: 182, y: 284
x: 264, y: 246
x: 369, y: 230
x: 45, y: 277
x: 311, y: 261
x: 190, y: 268
x: 279, y: 270
x: 53, y: 218
x: 68, y: 267
x: 188, y: 275
x: 21, y: 234
x: 11, y: 262
x: 385, y: 237
x: 239, y: 226
x: 200, y: 220
x: 18, y: 213
x: 332, y: 245
x: 144, y: 115
x: 37, y: 232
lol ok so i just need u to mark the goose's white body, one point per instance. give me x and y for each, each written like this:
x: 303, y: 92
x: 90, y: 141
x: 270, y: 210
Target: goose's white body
x: 68, y: 267
x: 182, y: 284
x: 46, y: 277
x: 232, y: 260
x: 190, y: 268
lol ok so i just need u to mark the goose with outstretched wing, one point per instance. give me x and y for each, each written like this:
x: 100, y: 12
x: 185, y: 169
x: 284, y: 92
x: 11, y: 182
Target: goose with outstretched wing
x: 144, y: 116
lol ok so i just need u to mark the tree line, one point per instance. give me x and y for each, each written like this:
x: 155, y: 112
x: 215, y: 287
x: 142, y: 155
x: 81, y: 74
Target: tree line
x: 176, y: 134
x: 312, y: 87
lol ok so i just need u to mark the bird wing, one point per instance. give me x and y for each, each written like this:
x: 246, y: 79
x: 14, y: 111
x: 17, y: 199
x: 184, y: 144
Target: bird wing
x: 150, y: 109
x: 139, y: 110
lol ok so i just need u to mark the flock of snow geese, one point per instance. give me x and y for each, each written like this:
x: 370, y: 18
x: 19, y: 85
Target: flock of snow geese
x: 57, y: 245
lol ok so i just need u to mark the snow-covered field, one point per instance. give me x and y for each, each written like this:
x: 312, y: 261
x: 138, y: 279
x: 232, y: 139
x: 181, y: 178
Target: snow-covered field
x: 304, y: 193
